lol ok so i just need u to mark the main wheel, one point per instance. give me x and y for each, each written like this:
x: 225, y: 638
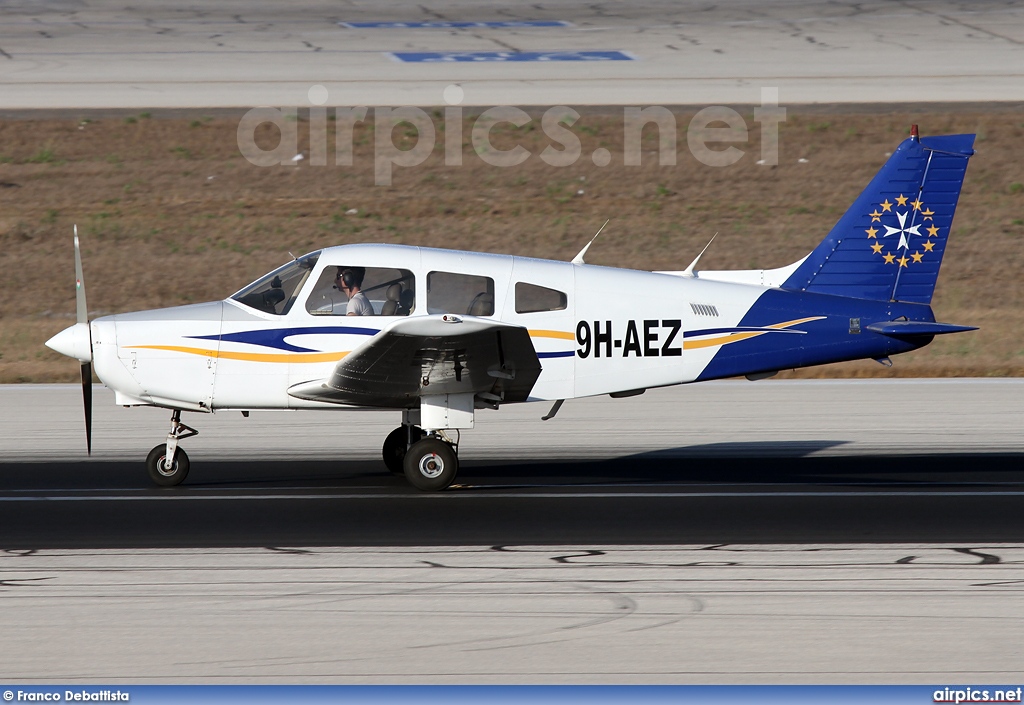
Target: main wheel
x: 431, y: 464
x: 161, y: 475
x: 395, y: 447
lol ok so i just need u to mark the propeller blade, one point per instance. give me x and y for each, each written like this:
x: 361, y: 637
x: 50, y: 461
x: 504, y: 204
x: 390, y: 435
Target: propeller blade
x: 82, y: 309
x: 87, y: 399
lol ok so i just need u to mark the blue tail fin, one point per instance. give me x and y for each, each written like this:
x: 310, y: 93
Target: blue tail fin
x: 889, y: 244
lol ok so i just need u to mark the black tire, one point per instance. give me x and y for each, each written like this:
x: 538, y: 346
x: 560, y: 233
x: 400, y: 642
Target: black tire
x: 431, y: 465
x: 167, y: 478
x: 395, y: 447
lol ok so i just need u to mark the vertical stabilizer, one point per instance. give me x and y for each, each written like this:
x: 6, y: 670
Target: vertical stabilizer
x: 889, y: 244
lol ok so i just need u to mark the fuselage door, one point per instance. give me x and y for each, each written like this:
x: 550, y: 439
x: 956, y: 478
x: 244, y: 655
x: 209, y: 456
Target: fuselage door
x: 541, y: 299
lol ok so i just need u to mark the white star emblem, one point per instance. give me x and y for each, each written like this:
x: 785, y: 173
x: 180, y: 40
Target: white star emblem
x: 903, y: 230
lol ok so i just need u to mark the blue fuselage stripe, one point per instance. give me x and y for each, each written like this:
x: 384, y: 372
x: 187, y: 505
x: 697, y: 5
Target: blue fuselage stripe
x: 275, y: 338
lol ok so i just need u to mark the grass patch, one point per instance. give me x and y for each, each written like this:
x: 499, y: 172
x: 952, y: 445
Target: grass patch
x: 44, y: 155
x: 661, y: 217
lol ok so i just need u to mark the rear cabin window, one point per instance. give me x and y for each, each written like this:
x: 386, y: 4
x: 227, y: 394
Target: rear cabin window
x: 365, y: 291
x: 448, y: 292
x: 531, y: 298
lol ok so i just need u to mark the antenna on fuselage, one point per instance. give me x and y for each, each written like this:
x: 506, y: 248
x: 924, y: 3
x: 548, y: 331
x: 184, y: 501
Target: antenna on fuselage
x: 578, y: 259
x: 689, y: 271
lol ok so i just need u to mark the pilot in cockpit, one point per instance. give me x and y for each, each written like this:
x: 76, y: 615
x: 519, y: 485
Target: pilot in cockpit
x: 349, y: 281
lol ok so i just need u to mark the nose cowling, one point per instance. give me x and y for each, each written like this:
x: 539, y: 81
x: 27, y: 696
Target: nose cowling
x: 74, y: 341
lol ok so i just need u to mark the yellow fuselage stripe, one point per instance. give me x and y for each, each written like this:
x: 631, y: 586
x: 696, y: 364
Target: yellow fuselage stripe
x: 561, y: 335
x: 797, y: 322
x: 247, y: 357
x: 723, y: 340
x: 736, y: 337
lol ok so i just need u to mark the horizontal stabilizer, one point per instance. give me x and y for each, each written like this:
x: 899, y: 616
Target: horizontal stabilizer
x: 905, y: 329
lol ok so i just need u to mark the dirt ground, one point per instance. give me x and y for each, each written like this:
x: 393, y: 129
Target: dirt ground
x: 170, y: 212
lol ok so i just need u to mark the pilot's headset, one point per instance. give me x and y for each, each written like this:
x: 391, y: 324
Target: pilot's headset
x: 350, y: 278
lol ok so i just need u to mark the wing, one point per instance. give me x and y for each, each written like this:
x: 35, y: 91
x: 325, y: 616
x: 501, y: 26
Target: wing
x: 427, y: 355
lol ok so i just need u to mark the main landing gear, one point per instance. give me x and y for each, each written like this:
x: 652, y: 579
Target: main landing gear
x: 429, y: 462
x: 167, y: 463
x: 396, y: 445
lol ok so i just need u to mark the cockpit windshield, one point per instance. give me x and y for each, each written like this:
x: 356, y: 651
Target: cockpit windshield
x: 275, y: 293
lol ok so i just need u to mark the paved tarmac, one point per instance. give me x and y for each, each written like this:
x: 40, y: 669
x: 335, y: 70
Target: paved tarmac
x: 61, y: 54
x: 732, y: 532
x: 767, y: 613
x: 733, y: 418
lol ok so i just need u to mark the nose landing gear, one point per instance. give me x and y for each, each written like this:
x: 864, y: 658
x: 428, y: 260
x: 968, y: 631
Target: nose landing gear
x: 167, y: 463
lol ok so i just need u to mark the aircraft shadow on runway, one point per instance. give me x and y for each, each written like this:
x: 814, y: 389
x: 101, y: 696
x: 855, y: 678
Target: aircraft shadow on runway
x: 666, y: 497
x: 779, y: 463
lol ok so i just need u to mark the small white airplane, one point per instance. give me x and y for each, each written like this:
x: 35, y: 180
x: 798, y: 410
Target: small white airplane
x: 444, y: 332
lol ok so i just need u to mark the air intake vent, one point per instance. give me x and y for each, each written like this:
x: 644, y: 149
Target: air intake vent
x: 704, y: 309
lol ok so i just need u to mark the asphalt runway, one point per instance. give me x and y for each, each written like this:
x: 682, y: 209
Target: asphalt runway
x: 60, y: 54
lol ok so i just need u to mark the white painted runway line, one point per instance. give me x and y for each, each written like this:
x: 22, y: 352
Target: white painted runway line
x: 455, y: 496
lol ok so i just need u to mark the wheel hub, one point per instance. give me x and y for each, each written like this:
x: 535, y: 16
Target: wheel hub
x: 431, y: 465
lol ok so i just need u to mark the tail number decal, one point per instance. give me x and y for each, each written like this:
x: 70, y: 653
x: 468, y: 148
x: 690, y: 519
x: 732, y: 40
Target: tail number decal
x: 648, y: 338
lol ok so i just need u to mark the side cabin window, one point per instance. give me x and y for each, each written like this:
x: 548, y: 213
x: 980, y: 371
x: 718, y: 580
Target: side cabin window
x: 448, y: 292
x: 362, y: 291
x: 275, y: 293
x: 531, y: 298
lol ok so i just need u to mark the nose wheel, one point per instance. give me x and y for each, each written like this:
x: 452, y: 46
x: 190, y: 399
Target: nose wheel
x: 163, y: 473
x: 167, y: 464
x: 431, y: 464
